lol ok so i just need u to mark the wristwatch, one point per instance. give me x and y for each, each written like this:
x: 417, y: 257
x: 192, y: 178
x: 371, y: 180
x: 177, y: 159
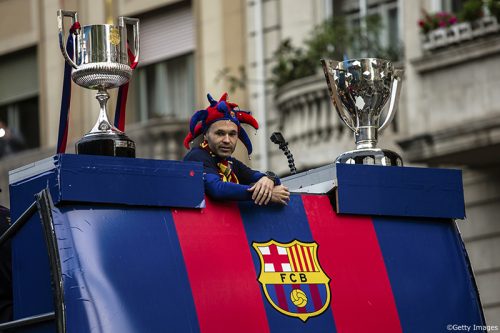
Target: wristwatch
x: 271, y: 175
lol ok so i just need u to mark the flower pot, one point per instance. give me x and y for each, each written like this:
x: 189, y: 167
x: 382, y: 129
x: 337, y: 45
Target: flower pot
x: 484, y: 26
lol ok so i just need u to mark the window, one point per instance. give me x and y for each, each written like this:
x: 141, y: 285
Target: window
x: 164, y: 81
x: 19, y: 114
x: 166, y: 89
x: 20, y: 119
x: 453, y: 6
x: 387, y: 13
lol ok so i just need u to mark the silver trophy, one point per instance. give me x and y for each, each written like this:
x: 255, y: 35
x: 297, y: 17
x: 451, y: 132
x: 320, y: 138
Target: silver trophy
x: 360, y: 89
x: 101, y: 62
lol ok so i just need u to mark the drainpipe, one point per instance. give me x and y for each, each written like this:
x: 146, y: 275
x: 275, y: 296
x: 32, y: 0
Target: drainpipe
x: 328, y: 7
x: 362, y: 21
x: 260, y: 85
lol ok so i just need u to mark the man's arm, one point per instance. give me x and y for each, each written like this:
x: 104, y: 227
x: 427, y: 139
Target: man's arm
x: 263, y: 185
x: 214, y: 186
x: 261, y: 192
x: 250, y: 176
x: 220, y: 190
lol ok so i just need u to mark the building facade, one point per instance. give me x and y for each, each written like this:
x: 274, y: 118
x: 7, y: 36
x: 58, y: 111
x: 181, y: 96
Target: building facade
x: 185, y: 46
x: 448, y: 111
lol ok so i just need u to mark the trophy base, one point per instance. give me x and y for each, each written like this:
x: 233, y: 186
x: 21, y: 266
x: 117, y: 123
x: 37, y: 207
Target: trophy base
x: 373, y: 156
x: 107, y: 144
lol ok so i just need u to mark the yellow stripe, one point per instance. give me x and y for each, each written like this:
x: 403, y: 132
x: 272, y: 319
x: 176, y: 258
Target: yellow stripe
x: 296, y: 262
x: 310, y: 251
x: 309, y: 263
x: 302, y: 261
x: 292, y: 265
x: 313, y: 263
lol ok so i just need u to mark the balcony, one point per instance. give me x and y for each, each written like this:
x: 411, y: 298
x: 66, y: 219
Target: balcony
x: 455, y: 118
x: 159, y: 138
x: 459, y: 33
x: 474, y: 143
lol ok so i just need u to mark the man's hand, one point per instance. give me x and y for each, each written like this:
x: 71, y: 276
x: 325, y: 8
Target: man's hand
x: 280, y: 195
x: 262, y: 191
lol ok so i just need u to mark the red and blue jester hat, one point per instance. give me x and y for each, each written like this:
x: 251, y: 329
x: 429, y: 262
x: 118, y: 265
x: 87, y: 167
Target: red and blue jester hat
x: 221, y: 110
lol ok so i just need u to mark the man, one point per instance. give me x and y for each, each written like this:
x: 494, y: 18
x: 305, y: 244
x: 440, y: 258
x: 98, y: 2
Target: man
x: 225, y: 177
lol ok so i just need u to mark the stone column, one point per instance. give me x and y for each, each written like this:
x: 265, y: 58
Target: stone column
x: 51, y: 70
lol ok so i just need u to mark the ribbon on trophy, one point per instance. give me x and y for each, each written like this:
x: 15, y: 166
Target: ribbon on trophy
x: 62, y: 136
x: 121, y: 103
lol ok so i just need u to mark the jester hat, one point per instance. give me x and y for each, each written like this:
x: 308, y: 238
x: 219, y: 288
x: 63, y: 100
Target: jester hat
x: 221, y: 110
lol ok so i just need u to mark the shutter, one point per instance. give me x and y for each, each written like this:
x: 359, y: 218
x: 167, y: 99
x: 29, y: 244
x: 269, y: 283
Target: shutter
x: 166, y: 35
x: 18, y: 76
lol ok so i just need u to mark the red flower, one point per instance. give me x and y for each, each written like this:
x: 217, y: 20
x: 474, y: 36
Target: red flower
x: 438, y: 20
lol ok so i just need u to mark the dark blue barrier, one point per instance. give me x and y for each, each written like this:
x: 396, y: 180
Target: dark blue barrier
x: 126, y: 266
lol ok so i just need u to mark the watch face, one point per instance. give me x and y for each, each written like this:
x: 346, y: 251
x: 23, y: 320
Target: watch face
x: 271, y: 175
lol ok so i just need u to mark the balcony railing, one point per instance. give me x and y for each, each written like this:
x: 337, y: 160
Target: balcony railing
x: 310, y: 125
x: 306, y: 111
x: 459, y: 33
x: 159, y: 138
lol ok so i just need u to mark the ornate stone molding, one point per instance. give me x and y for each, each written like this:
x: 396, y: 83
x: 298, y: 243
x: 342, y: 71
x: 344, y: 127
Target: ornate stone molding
x: 457, y: 54
x: 475, y: 143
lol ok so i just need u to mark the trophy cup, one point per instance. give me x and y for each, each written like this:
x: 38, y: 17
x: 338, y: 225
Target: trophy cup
x: 360, y: 89
x: 101, y: 62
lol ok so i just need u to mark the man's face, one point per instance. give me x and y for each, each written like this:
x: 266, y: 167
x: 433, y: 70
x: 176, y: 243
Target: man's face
x: 222, y: 137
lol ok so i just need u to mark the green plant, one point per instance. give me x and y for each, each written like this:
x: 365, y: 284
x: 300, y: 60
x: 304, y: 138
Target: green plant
x: 235, y: 81
x: 434, y: 21
x: 494, y: 8
x: 363, y: 44
x: 291, y: 63
x: 331, y: 39
x: 471, y: 10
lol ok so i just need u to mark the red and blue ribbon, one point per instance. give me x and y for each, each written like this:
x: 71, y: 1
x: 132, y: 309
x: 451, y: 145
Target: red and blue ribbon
x: 121, y: 103
x: 62, y: 137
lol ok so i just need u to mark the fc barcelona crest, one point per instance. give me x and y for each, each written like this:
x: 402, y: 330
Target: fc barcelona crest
x: 292, y: 278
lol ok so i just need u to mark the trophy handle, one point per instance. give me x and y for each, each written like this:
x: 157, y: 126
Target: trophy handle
x: 74, y: 18
x: 393, y: 103
x: 328, y: 67
x: 123, y: 22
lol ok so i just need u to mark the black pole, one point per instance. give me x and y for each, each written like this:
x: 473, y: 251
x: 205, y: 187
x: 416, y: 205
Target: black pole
x: 14, y: 227
x: 27, y: 321
x: 278, y: 139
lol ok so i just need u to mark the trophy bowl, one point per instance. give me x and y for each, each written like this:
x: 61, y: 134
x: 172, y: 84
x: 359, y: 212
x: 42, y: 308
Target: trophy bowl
x: 361, y: 90
x: 102, y: 75
x: 100, y: 62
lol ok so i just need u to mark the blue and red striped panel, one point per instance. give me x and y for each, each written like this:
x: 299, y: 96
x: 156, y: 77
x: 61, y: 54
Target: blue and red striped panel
x: 316, y: 293
x: 390, y: 275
